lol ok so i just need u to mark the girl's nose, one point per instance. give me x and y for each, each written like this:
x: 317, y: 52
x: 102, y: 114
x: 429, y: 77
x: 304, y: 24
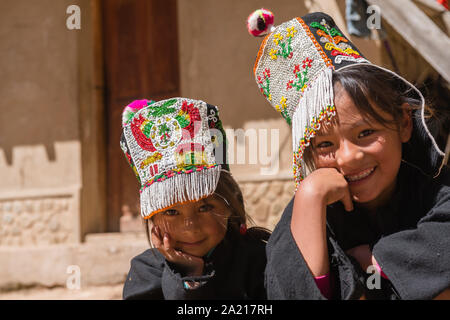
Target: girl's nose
x: 348, y: 154
x: 191, y: 223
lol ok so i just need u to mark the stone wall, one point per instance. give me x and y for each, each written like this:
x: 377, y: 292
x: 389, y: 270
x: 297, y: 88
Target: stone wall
x: 37, y: 221
x: 265, y: 201
x: 39, y: 198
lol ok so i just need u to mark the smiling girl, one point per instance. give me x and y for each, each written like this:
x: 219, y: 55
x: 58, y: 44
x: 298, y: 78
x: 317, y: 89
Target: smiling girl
x: 371, y: 214
x: 193, y: 208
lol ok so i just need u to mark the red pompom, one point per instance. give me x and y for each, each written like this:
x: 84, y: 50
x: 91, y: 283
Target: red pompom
x: 260, y: 22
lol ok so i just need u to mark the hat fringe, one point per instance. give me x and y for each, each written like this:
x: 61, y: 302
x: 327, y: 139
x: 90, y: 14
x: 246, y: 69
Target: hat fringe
x: 315, y: 98
x: 316, y: 104
x: 179, y: 188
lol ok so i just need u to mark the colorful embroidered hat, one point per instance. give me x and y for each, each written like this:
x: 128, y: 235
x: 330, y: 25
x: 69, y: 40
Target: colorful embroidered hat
x: 293, y: 70
x: 176, y: 148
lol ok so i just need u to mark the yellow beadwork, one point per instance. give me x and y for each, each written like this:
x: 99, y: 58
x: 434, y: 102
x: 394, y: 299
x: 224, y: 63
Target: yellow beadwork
x: 291, y: 32
x: 283, y: 105
x: 272, y: 54
x: 153, y: 158
x: 277, y: 38
x: 331, y: 46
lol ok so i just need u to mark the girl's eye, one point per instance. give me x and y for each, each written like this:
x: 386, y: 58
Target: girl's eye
x: 205, y: 208
x: 323, y: 145
x: 170, y: 212
x: 365, y: 133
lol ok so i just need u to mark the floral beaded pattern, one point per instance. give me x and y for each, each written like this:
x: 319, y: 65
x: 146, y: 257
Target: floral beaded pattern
x: 284, y: 44
x: 271, y: 71
x: 301, y: 81
x: 282, y: 109
x: 264, y: 84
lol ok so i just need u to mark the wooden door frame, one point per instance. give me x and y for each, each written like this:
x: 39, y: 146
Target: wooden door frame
x: 141, y: 61
x: 91, y: 119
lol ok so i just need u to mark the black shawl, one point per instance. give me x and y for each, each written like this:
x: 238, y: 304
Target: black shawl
x: 409, y: 237
x: 234, y: 270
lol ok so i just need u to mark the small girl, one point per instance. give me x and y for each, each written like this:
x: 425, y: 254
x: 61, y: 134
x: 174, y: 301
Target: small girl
x: 193, y: 208
x: 371, y: 214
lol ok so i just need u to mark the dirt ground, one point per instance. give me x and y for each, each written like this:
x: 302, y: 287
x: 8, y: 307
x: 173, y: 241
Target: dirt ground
x: 113, y: 292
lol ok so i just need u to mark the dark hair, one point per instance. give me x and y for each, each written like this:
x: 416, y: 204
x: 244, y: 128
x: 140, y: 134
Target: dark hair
x: 369, y: 87
x: 229, y: 189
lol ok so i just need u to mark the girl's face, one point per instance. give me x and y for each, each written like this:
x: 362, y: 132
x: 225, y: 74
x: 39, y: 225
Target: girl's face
x: 367, y: 153
x: 195, y: 227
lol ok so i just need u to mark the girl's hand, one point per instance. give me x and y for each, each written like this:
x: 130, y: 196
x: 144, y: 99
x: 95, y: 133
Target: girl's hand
x: 328, y: 186
x: 191, y: 265
x: 308, y: 224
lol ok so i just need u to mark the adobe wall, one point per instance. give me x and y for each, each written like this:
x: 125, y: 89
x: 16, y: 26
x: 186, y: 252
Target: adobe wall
x: 39, y: 128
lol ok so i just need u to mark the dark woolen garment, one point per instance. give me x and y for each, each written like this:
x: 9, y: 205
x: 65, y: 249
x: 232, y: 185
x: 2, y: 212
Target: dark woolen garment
x: 409, y: 238
x: 234, y: 270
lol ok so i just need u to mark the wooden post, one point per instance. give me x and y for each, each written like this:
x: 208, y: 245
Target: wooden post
x: 91, y: 108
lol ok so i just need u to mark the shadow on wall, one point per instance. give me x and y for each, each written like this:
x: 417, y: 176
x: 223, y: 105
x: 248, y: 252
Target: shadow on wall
x: 39, y: 85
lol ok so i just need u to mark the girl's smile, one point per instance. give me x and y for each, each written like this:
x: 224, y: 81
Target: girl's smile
x: 360, y: 177
x: 366, y: 152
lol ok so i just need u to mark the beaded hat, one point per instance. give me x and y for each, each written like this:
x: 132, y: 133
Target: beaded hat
x: 293, y: 70
x: 176, y: 148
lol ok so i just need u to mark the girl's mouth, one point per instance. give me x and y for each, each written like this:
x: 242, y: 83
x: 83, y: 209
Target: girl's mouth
x: 192, y: 244
x: 360, y: 177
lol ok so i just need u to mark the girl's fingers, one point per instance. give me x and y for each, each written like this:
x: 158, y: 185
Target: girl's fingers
x: 169, y: 248
x: 347, y: 197
x: 156, y: 239
x: 158, y: 232
x: 166, y: 242
x: 347, y: 201
x: 162, y: 243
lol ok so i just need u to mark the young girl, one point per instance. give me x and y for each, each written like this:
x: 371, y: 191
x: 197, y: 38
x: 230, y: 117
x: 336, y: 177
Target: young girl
x: 371, y: 215
x: 193, y: 208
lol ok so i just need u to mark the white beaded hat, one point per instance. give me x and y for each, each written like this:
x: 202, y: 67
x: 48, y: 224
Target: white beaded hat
x: 176, y: 148
x: 294, y: 71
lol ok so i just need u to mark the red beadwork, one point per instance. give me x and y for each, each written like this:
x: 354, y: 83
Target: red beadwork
x: 142, y: 140
x: 194, y: 116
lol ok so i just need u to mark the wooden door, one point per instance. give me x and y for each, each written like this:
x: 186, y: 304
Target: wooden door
x: 141, y: 62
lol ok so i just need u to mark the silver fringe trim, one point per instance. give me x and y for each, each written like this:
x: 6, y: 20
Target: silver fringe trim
x: 179, y: 188
x: 316, y: 98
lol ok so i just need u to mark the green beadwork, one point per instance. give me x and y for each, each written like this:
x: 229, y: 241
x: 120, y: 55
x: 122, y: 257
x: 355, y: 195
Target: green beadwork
x: 285, y: 52
x: 333, y: 32
x: 163, y: 109
x: 182, y: 121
